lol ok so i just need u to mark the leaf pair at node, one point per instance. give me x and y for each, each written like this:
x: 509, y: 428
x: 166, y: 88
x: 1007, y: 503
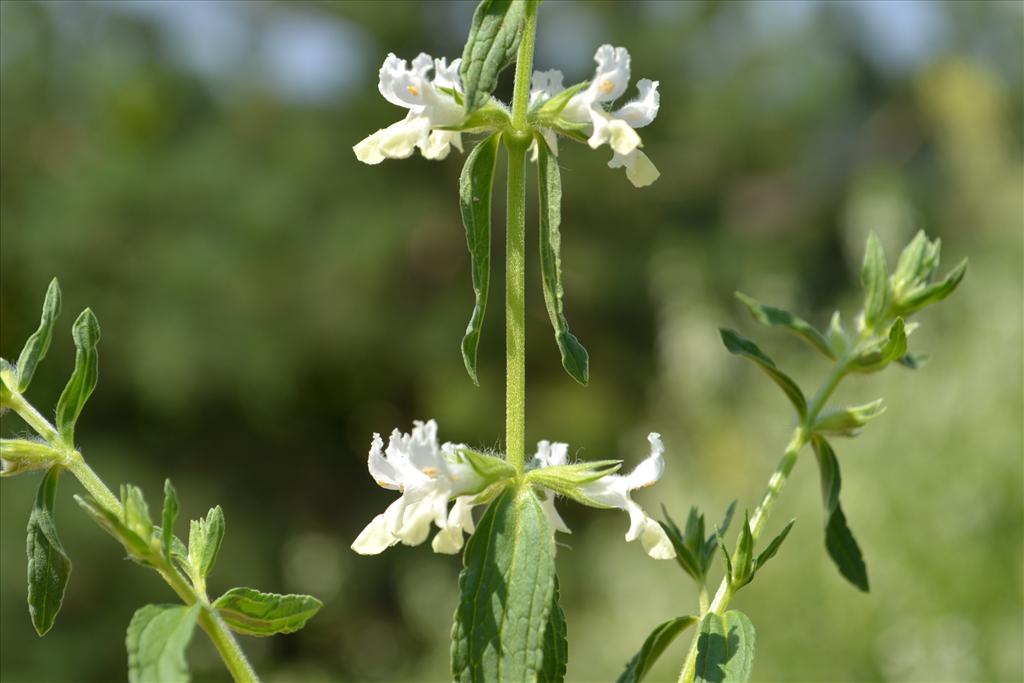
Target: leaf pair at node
x: 475, y: 191
x: 694, y: 551
x: 742, y: 566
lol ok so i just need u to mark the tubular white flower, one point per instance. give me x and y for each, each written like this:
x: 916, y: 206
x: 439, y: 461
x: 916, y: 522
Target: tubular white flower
x: 616, y: 128
x: 429, y: 107
x: 613, y: 491
x: 428, y: 476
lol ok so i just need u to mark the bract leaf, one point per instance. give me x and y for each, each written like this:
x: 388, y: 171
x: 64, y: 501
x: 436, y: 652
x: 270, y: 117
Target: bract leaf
x: 773, y: 547
x: 848, y: 421
x: 86, y: 333
x: 169, y: 516
x: 575, y: 358
x: 874, y: 277
x: 741, y: 346
x: 776, y: 317
x: 475, y: 187
x: 48, y: 565
x: 38, y: 344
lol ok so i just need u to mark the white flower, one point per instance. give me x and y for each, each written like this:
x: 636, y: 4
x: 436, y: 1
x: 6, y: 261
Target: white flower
x: 616, y: 128
x: 428, y: 476
x: 613, y: 491
x: 429, y: 107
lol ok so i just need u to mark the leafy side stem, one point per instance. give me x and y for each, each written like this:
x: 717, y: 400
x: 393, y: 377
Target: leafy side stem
x: 72, y: 460
x: 799, y: 439
x: 516, y: 142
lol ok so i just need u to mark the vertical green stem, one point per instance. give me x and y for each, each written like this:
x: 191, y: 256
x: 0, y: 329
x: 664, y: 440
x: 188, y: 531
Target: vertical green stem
x: 515, y: 250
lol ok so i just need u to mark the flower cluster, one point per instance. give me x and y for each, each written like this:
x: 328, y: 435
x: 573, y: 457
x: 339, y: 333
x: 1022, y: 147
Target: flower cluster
x: 588, y: 111
x: 429, y: 476
x: 437, y: 117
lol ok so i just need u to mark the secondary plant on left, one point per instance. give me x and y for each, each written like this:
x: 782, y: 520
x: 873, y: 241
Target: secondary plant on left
x: 158, y: 634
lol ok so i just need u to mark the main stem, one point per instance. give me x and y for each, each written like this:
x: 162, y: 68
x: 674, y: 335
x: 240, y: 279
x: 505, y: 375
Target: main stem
x: 219, y: 633
x: 780, y: 476
x: 516, y: 142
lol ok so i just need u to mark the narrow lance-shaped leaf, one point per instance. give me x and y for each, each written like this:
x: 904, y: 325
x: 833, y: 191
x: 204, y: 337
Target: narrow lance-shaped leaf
x: 475, y: 188
x: 684, y: 556
x: 156, y: 641
x: 850, y: 420
x: 725, y: 648
x: 556, y: 645
x: 39, y: 343
x: 505, y: 592
x: 741, y: 346
x: 712, y: 542
x: 874, y: 277
x: 776, y: 317
x: 892, y: 348
x: 933, y: 293
x: 743, y: 560
x: 48, y: 564
x: 839, y: 541
x: 493, y: 41
x: 773, y: 547
x: 253, y: 613
x: 170, y: 514
x: 575, y: 358
x: 137, y: 547
x: 661, y: 637
x: 86, y: 333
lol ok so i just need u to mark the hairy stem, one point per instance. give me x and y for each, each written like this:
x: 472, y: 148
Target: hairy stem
x: 799, y: 439
x: 516, y: 143
x: 219, y: 633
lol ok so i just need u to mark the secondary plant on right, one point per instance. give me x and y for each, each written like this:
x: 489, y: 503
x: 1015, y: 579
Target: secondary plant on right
x: 723, y: 648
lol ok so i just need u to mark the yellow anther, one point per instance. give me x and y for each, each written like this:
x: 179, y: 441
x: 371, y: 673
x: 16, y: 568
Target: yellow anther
x: 413, y: 90
x: 606, y: 86
x: 430, y: 471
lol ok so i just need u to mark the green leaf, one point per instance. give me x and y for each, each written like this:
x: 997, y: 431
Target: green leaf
x: 475, y: 185
x: 25, y: 455
x: 726, y: 555
x: 575, y: 359
x: 773, y: 547
x: 253, y: 613
x: 743, y: 560
x: 725, y: 648
x: 685, y: 558
x: 930, y: 294
x: 776, y: 317
x: 839, y: 541
x: 661, y: 637
x: 48, y: 565
x: 170, y: 514
x: 837, y: 339
x: 39, y: 343
x: 892, y: 348
x: 136, y: 512
x: 493, y: 40
x: 874, y: 277
x: 505, y: 592
x: 488, y: 467
x: 566, y: 480
x: 712, y: 542
x: 86, y: 333
x: 916, y: 263
x: 204, y: 540
x: 741, y: 346
x: 156, y: 642
x: 550, y: 110
x: 848, y: 421
x: 137, y: 547
x: 556, y: 646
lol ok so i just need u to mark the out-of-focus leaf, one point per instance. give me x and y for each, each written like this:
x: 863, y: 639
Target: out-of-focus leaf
x: 659, y: 639
x: 776, y: 317
x: 741, y: 346
x: 156, y: 642
x: 48, y: 565
x: 848, y: 421
x: 874, y: 276
x: 839, y: 541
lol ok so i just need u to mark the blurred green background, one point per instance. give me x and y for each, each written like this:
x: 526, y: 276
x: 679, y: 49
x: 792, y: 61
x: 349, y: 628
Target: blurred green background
x: 268, y: 303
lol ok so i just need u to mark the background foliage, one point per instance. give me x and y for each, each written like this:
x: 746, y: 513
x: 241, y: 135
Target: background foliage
x: 267, y: 303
